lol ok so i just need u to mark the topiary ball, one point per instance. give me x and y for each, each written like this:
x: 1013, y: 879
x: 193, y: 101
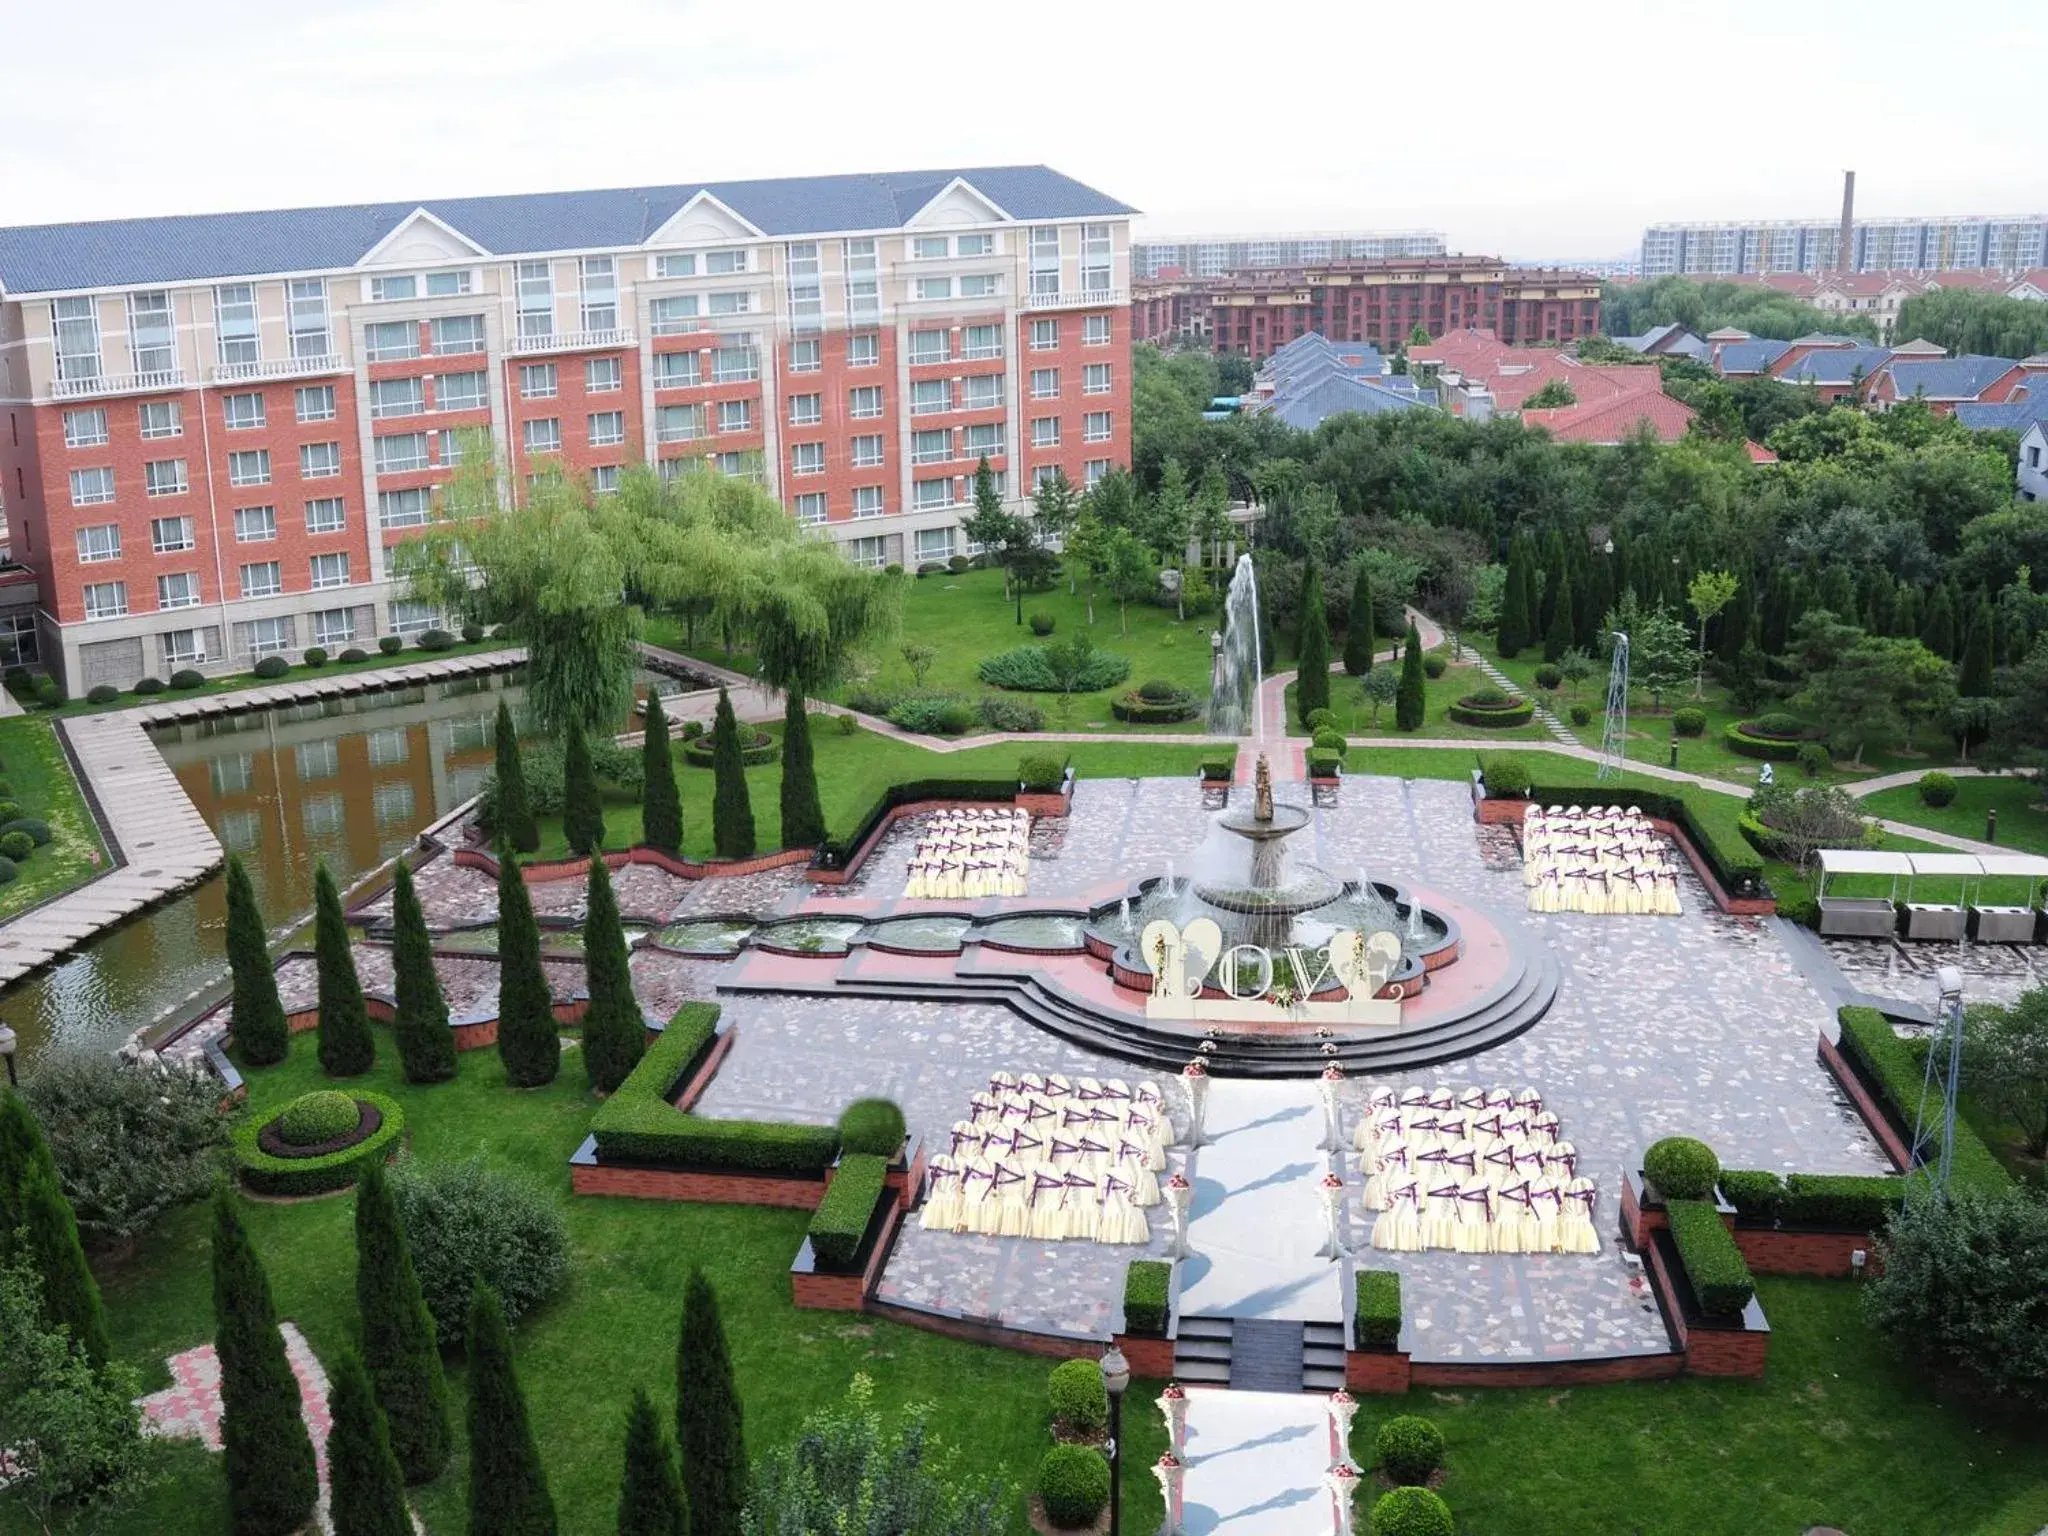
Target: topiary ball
x: 1682, y: 1168
x: 391, y: 645
x: 102, y: 693
x: 472, y: 632
x: 1936, y: 789
x: 324, y: 1115
x: 17, y: 845
x: 1582, y: 714
x: 355, y: 653
x: 8, y: 869
x: 9, y: 810
x: 1815, y: 759
x: 1688, y: 722
x: 1317, y: 719
x: 187, y: 677
x: 1080, y: 1403
x: 1329, y: 739
x: 1412, y: 1512
x: 873, y: 1126
x: 316, y: 656
x: 1549, y: 677
x: 1073, y: 1485
x: 271, y: 666
x: 148, y: 685
x: 1434, y: 666
x: 1408, y: 1449
x: 37, y: 829
x: 1777, y: 723
x: 1041, y: 623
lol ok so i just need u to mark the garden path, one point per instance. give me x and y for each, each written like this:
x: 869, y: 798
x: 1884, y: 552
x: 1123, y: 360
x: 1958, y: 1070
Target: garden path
x: 1255, y: 1464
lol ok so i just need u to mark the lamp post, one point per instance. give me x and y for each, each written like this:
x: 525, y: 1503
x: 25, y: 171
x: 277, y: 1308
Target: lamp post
x: 1116, y: 1377
x: 7, y: 1044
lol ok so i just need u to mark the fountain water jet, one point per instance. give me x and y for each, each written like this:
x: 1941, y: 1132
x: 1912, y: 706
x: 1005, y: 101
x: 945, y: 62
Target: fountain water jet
x: 1237, y: 666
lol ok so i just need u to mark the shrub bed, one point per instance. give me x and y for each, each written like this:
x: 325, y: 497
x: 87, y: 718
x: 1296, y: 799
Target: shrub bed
x: 932, y: 714
x: 1721, y: 1281
x: 841, y: 1219
x: 1156, y: 703
x: 1750, y: 739
x: 1146, y: 1286
x: 268, y: 1174
x: 468, y: 1222
x: 1492, y: 710
x: 756, y: 747
x: 1004, y: 714
x: 1376, y: 1322
x: 1898, y: 1071
x: 1026, y: 669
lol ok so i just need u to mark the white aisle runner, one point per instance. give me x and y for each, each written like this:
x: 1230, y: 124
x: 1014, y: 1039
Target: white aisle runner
x: 1255, y: 1464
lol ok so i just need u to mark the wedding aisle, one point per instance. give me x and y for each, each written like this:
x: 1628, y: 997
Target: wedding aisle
x: 1255, y: 1464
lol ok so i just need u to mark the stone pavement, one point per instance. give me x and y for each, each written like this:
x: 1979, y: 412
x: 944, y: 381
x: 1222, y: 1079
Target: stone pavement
x: 1255, y: 1464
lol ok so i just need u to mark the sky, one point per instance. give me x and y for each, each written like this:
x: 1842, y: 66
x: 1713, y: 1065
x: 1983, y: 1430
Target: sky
x: 1527, y: 131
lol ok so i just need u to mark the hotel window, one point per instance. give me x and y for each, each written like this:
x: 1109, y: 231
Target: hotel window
x: 981, y: 392
x: 401, y: 453
x: 724, y: 263
x: 1095, y: 258
x: 454, y: 335
x: 678, y: 423
x: 677, y: 370
x: 600, y: 293
x: 537, y: 381
x: 806, y: 410
x: 392, y: 340
x: 931, y: 447
x: 241, y: 413
x: 306, y: 314
x: 100, y: 542
x: 447, y: 285
x: 328, y: 515
x: 980, y: 285
x: 682, y: 264
x: 1094, y: 470
x: 230, y: 774
x: 806, y: 356
x: 931, y: 346
x: 930, y: 495
x: 863, y: 350
x: 986, y: 438
x: 161, y: 418
x: 604, y: 479
x: 807, y: 458
x: 544, y: 435
x: 452, y: 445
x: 867, y: 501
x: 1045, y: 258
x: 735, y: 363
x: 673, y: 315
x: 731, y: 301
x: 255, y: 525
x: 867, y: 452
x: 106, y: 600
x: 265, y: 637
x: 536, y: 287
x: 865, y: 402
x: 868, y: 554
x: 1045, y: 432
x: 91, y: 487
x: 397, y: 397
x: 330, y: 571
x: 1044, y: 475
x: 930, y: 396
x: 319, y: 461
x: 178, y: 590
x: 1095, y: 379
x: 249, y: 467
x: 806, y: 292
x: 152, y: 335
x: 983, y: 342
x: 975, y: 245
x: 461, y: 391
x: 607, y: 428
x: 863, y: 283
x: 935, y: 288
x: 168, y: 535
x: 315, y: 402
x: 735, y: 416
x: 1045, y: 335
x: 931, y: 248
x: 234, y: 323
x: 1097, y: 427
x: 383, y: 290
x: 602, y: 375
x: 739, y: 466
x: 337, y: 626
x: 85, y: 429
x: 77, y: 324
x: 263, y: 579
x: 402, y: 509
x: 1095, y: 331
x: 810, y: 507
x: 933, y: 545
x: 1045, y: 383
x: 166, y: 477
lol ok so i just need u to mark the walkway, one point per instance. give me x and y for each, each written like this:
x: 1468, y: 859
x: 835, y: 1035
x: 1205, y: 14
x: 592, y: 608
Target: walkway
x: 1255, y: 1464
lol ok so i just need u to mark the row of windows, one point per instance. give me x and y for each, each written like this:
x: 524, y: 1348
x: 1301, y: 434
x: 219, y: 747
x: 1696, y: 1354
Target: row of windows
x: 180, y: 589
x: 158, y: 419
x: 1096, y: 427
x: 152, y: 329
x: 169, y: 477
x: 542, y: 381
x: 814, y: 507
x: 168, y: 535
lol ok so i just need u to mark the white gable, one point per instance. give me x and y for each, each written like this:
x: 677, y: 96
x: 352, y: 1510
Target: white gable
x: 421, y: 240
x: 959, y: 203
x: 704, y: 220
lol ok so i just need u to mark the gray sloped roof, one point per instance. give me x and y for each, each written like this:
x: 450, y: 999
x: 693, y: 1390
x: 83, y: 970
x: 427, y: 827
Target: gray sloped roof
x: 1751, y: 356
x: 1949, y: 378
x: 2029, y: 404
x: 1836, y: 365
x: 129, y: 252
x: 1335, y: 394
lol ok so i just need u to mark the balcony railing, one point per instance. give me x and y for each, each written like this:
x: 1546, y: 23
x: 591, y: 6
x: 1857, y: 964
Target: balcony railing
x: 280, y: 368
x: 1084, y: 298
x: 573, y: 341
x: 118, y: 384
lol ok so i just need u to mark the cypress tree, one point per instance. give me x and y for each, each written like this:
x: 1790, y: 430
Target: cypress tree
x: 426, y: 1045
x: 732, y: 813
x: 803, y: 818
x: 268, y: 1456
x: 513, y: 819
x: 614, y: 1030
x: 399, y: 1347
x: 527, y: 1041
x: 346, y: 1049
x: 1410, y: 700
x: 1558, y: 638
x: 1938, y: 633
x: 582, y: 808
x: 1906, y: 612
x: 1878, y: 593
x: 1554, y: 574
x: 1838, y: 594
x: 650, y: 1494
x: 508, y: 1490
x: 661, y: 807
x: 1512, y: 633
x: 708, y: 1431
x: 1975, y: 681
x: 1358, y: 635
x: 1312, y: 670
x: 261, y: 1035
x: 1776, y: 622
x: 362, y: 1473
x: 71, y: 1297
x: 1593, y: 595
x: 22, y: 1151
x: 1736, y: 621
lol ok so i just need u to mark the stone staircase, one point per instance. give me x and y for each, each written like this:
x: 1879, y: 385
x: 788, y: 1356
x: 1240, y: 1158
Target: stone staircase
x: 1558, y: 730
x: 1249, y: 1354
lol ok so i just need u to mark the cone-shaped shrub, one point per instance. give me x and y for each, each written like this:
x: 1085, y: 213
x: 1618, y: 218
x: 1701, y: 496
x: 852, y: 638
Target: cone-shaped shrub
x: 399, y: 1351
x: 512, y: 815
x: 368, y: 1489
x: 1358, y: 635
x: 508, y: 1491
x: 527, y: 1041
x: 661, y: 807
x: 732, y: 813
x: 803, y: 818
x: 582, y: 808
x: 1410, y: 702
x: 614, y: 1031
x: 1312, y: 679
x: 426, y: 1045
x: 708, y: 1430
x: 651, y: 1495
x: 1513, y: 630
x: 261, y: 1035
x: 71, y: 1296
x: 23, y: 1149
x: 346, y: 1049
x: 268, y: 1456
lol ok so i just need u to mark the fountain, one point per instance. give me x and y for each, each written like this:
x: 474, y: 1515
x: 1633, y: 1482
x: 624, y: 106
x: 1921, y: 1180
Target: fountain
x: 1236, y: 666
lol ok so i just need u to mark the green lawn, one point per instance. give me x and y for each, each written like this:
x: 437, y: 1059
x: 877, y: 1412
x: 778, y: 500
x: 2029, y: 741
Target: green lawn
x: 39, y: 779
x: 1355, y: 714
x: 2022, y: 816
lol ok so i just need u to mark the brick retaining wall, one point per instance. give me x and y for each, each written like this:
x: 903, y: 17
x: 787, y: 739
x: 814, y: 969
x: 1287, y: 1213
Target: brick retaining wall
x: 645, y: 1183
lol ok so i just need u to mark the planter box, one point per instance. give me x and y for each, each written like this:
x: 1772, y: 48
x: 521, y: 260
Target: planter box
x: 592, y: 1174
x: 1869, y: 1101
x: 1150, y: 1354
x: 1377, y: 1370
x: 1782, y: 1248
x: 1714, y: 1346
x: 846, y: 1289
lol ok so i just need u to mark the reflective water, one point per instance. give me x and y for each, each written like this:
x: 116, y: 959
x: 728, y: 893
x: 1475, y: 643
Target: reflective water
x: 812, y: 935
x: 1035, y: 932
x: 939, y: 933
x: 705, y: 936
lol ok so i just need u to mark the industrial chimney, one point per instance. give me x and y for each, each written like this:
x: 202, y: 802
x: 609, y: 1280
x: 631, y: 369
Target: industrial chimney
x: 1847, y: 255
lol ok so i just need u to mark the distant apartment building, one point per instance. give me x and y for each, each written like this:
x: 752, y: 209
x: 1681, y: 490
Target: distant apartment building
x: 218, y: 427
x: 1216, y: 255
x: 1376, y: 302
x: 1760, y: 247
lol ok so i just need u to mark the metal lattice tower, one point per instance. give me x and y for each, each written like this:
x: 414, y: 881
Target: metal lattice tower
x: 1614, y: 735
x: 1938, y: 1087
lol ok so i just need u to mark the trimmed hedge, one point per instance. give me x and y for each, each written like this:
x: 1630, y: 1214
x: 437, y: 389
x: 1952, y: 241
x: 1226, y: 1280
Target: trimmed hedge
x: 1135, y: 708
x: 1147, y: 1283
x: 1323, y: 763
x: 834, y: 852
x: 1492, y: 717
x: 1755, y: 1193
x: 1776, y: 749
x: 1218, y: 770
x: 1407, y: 1449
x: 1073, y: 1486
x: 1721, y: 1281
x: 873, y: 1127
x: 1376, y: 1322
x: 756, y: 747
x: 1859, y: 1202
x: 268, y: 1175
x: 1899, y: 1070
x: 1080, y: 1402
x: 1412, y: 1512
x: 1682, y: 1168
x: 841, y: 1219
x: 1041, y: 773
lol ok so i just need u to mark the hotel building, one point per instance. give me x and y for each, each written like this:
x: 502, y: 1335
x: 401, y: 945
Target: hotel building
x: 218, y: 426
x: 1760, y: 247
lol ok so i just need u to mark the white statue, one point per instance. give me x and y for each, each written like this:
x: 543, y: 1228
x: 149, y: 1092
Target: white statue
x: 1160, y: 946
